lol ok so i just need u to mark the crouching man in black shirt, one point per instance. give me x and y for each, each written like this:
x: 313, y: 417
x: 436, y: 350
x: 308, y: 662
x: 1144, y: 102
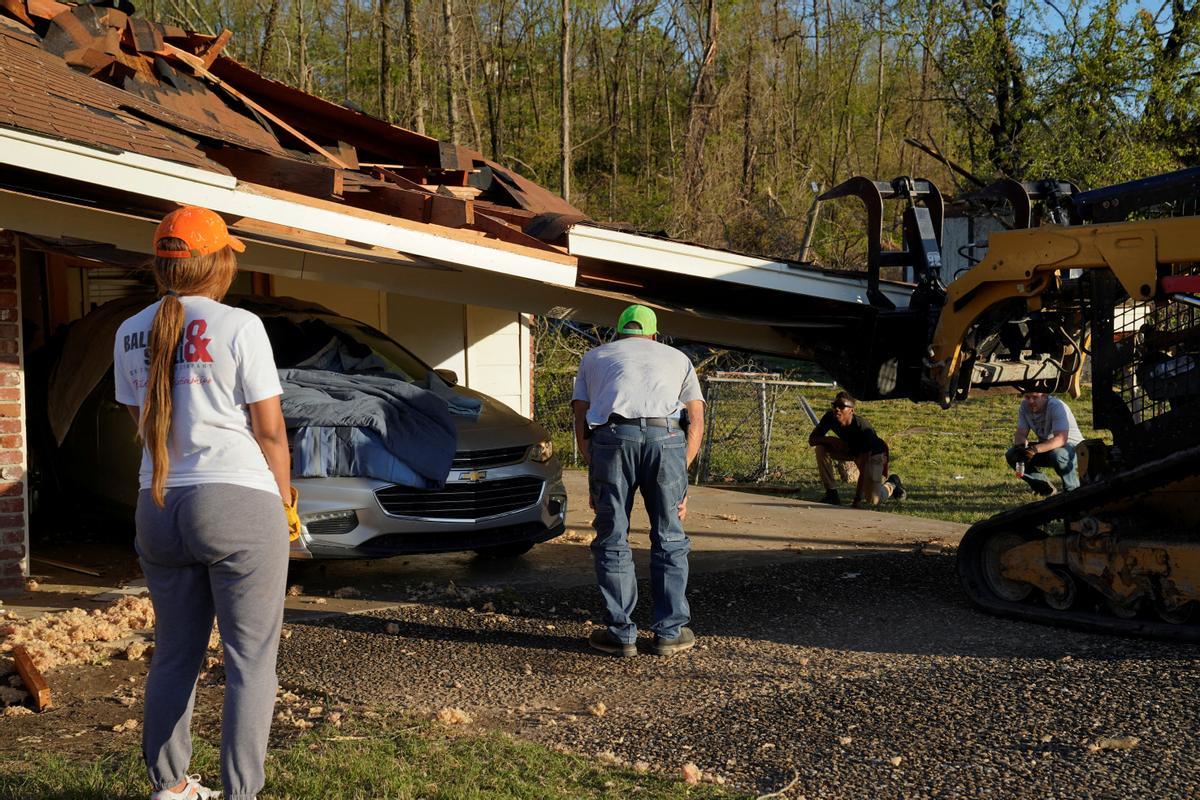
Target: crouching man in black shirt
x: 854, y: 440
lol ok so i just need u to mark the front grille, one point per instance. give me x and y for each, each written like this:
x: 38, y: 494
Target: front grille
x: 462, y: 500
x: 334, y: 526
x: 485, y: 459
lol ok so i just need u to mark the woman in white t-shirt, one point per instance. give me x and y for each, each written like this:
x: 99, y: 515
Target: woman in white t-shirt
x: 212, y: 533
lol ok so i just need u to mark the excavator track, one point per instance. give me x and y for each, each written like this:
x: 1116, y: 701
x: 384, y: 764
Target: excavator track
x: 980, y: 549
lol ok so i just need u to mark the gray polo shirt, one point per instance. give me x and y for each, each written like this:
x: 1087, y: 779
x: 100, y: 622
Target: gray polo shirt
x: 1056, y: 416
x: 635, y: 378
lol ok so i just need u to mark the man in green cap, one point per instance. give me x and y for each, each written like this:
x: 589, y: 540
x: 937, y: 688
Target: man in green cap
x: 631, y: 396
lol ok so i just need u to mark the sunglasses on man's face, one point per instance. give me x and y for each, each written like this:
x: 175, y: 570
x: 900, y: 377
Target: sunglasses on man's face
x: 841, y: 407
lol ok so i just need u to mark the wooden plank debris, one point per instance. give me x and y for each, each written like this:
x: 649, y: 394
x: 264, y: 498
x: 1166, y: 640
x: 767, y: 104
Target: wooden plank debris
x: 197, y: 66
x: 451, y: 212
x: 391, y: 200
x: 31, y: 676
x: 499, y: 229
x: 316, y: 180
x: 214, y: 49
x: 67, y: 565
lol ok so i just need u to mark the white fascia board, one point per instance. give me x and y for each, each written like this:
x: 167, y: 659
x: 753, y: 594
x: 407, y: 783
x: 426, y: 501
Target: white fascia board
x: 721, y: 265
x: 178, y: 183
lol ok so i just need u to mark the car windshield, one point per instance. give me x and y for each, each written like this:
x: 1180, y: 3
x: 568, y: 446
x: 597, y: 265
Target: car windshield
x: 339, y: 345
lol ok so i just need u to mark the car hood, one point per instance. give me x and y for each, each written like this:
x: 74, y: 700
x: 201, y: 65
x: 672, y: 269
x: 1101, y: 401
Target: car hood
x: 496, y: 426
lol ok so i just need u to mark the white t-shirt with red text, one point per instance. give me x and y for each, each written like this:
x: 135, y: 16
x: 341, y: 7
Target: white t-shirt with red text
x: 222, y: 363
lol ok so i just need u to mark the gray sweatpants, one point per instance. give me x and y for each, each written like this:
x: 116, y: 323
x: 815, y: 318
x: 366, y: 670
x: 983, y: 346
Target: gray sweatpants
x: 223, y: 549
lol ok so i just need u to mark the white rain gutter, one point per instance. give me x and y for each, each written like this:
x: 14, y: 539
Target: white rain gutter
x: 165, y: 180
x: 721, y: 265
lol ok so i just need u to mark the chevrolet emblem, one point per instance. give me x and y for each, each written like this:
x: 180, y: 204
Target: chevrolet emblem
x: 474, y: 476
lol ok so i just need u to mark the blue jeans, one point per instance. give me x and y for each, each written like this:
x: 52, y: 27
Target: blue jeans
x: 624, y: 459
x: 1062, y: 460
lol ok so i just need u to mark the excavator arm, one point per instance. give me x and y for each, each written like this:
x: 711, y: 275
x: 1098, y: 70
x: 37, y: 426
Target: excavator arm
x: 1030, y: 265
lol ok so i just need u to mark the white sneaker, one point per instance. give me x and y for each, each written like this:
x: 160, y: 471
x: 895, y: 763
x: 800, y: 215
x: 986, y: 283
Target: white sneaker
x: 192, y: 790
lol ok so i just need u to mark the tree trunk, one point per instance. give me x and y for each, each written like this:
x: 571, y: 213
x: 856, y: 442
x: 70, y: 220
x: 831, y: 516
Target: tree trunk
x: 347, y: 6
x: 301, y: 47
x: 268, y: 35
x: 564, y: 72
x: 879, y: 95
x: 451, y: 83
x: 416, y: 94
x: 385, y: 59
x: 747, y: 123
x: 700, y: 104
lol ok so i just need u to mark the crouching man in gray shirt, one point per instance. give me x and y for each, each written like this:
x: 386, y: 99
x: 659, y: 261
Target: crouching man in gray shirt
x: 629, y: 398
x: 1051, y: 420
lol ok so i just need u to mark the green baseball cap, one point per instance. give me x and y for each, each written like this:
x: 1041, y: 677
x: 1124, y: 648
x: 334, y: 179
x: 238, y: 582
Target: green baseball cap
x: 643, y: 316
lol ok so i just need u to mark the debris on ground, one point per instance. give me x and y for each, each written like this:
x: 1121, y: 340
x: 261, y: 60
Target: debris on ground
x: 391, y: 629
x: 347, y: 593
x: 127, y: 725
x: 136, y: 651
x: 895, y: 760
x: 76, y: 636
x: 453, y: 716
x: 1114, y: 743
x: 17, y: 711
x: 691, y: 773
x: 31, y: 677
x: 597, y: 709
x: 295, y: 590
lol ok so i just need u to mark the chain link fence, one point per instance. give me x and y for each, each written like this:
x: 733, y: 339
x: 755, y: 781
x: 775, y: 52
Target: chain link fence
x: 756, y: 424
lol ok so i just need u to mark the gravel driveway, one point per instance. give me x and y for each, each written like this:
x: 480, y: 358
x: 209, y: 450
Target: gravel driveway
x: 864, y: 676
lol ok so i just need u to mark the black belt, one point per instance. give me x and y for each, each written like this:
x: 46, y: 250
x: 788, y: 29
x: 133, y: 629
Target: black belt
x: 651, y: 422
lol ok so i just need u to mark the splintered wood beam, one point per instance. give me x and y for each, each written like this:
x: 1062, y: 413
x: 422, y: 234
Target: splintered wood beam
x: 348, y: 153
x: 31, y: 676
x: 401, y: 181
x: 214, y: 49
x: 389, y: 200
x: 499, y: 229
x: 197, y: 66
x: 316, y: 180
x: 450, y: 211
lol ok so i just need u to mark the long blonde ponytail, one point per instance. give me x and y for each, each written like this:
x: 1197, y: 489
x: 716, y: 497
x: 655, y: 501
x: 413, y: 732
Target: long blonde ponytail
x: 155, y: 424
x: 208, y: 275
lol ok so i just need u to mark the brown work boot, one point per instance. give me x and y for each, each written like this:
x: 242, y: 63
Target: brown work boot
x: 686, y: 640
x: 602, y: 639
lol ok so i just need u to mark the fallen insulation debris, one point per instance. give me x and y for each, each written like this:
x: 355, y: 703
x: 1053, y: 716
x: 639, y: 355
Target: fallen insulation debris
x: 77, y: 636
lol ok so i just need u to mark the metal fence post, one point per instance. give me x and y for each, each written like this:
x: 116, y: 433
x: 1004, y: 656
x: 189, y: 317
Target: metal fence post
x: 710, y: 424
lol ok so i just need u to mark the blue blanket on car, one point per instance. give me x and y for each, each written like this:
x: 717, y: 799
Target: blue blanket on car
x: 367, y: 426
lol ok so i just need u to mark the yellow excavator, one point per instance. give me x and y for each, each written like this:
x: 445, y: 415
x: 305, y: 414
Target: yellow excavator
x: 1111, y: 277
x: 1107, y: 279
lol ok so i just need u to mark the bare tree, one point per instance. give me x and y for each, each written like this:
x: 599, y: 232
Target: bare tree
x: 385, y: 59
x: 451, y: 77
x: 415, y: 91
x: 564, y: 72
x: 264, y: 54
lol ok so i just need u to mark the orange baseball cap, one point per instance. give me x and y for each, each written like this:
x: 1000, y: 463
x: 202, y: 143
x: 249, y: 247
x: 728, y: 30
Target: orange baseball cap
x: 202, y: 230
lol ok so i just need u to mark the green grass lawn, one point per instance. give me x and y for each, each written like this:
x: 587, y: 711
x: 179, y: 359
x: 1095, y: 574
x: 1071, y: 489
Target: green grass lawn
x: 368, y: 760
x: 951, y: 461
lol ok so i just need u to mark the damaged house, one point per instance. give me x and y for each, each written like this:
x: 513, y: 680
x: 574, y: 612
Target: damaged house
x: 108, y: 121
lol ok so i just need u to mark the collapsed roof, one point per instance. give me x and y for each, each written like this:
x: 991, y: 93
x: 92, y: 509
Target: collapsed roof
x: 108, y: 120
x: 167, y: 93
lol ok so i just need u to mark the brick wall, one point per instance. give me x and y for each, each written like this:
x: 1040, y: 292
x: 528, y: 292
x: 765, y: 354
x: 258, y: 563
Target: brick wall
x: 14, y: 519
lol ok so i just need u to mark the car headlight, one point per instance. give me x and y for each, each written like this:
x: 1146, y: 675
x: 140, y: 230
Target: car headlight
x: 542, y: 451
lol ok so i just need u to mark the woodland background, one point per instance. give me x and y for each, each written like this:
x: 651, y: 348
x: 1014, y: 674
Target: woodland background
x: 716, y: 121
